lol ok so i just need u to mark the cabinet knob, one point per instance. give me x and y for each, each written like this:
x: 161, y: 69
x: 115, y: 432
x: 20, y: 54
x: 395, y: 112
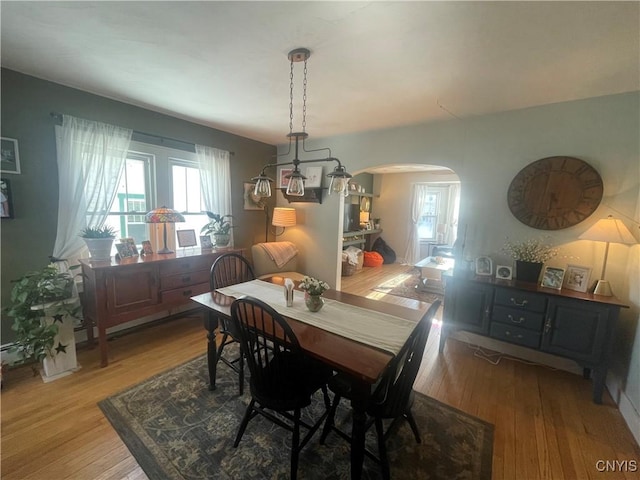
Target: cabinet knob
x: 186, y: 293
x: 518, y: 303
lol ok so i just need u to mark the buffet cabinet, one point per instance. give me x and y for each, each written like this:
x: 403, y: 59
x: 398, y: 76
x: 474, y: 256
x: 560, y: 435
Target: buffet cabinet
x: 574, y: 325
x: 117, y: 292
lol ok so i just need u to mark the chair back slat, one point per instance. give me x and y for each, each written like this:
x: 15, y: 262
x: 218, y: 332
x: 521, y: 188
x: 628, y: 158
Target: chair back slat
x: 230, y: 269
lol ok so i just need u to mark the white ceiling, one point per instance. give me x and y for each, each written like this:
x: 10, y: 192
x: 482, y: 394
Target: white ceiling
x: 373, y: 64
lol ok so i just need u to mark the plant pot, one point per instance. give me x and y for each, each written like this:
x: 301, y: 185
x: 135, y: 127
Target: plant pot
x: 222, y: 239
x: 99, y: 249
x: 313, y: 302
x: 528, y: 271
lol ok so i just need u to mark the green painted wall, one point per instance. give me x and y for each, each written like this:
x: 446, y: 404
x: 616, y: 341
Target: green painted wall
x: 28, y: 239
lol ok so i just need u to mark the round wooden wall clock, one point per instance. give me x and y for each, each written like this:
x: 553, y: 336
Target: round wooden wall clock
x: 555, y: 193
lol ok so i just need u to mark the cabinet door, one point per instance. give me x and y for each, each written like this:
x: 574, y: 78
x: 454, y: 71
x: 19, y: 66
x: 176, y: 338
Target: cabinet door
x: 131, y: 288
x: 577, y: 330
x: 468, y: 305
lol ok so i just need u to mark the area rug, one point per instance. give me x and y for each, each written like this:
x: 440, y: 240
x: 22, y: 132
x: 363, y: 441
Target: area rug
x: 177, y: 429
x: 404, y: 285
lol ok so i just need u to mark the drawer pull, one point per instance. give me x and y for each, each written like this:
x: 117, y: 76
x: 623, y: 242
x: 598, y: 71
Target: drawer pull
x: 520, y: 320
x: 186, y: 293
x: 518, y: 304
x: 186, y: 278
x: 508, y: 334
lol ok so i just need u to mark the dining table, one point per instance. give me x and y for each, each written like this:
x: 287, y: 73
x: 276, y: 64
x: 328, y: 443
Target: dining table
x: 354, y: 335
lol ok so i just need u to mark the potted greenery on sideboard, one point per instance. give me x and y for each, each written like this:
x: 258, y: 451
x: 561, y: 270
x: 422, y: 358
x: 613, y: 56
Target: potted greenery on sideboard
x: 220, y: 227
x: 99, y: 241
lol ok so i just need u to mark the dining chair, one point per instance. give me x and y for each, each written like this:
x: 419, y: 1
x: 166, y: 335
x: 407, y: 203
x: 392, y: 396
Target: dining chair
x: 227, y: 269
x: 393, y: 396
x: 283, y: 379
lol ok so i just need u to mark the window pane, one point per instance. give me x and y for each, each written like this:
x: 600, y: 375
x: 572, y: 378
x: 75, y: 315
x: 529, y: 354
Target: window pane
x: 186, y: 189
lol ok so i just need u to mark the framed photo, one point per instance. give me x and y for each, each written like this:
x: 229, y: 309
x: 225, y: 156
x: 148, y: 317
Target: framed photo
x: 314, y: 177
x: 9, y: 156
x: 146, y: 247
x: 577, y: 278
x: 6, y: 200
x: 132, y: 244
x: 251, y: 201
x: 504, y: 272
x: 205, y: 242
x: 484, y: 266
x: 552, y: 277
x: 282, y: 172
x: 124, y: 250
x: 186, y: 238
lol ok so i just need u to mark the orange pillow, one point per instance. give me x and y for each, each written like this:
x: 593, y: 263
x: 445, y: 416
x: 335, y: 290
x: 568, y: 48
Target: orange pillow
x: 372, y: 259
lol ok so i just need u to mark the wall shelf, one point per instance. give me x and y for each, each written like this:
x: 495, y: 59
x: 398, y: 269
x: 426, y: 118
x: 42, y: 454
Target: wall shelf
x: 311, y: 195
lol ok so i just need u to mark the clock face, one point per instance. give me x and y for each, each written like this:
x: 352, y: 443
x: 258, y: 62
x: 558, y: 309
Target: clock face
x: 555, y: 193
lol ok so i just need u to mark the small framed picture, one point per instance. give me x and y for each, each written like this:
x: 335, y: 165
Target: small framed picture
x: 484, y: 266
x: 552, y: 277
x: 282, y: 172
x: 577, y: 278
x: 314, y: 177
x: 124, y: 250
x: 251, y: 201
x: 186, y: 238
x: 5, y: 199
x: 146, y: 248
x: 9, y: 156
x: 504, y: 272
x: 132, y: 244
x: 205, y: 242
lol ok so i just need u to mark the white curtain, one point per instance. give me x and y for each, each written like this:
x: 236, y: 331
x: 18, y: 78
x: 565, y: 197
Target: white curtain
x: 453, y: 206
x: 215, y: 180
x: 91, y: 157
x: 418, y: 203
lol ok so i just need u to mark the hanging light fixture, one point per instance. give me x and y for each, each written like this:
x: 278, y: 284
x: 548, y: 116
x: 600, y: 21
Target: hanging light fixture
x: 339, y: 176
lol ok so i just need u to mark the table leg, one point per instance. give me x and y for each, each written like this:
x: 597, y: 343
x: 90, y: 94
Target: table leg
x: 360, y: 397
x: 211, y: 324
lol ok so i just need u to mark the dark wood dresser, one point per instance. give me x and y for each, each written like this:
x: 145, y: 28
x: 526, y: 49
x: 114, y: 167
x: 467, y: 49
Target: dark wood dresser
x: 574, y: 325
x: 120, y: 291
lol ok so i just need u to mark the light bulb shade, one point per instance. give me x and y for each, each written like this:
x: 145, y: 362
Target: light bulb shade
x: 610, y: 230
x: 295, y: 187
x: 263, y: 185
x: 163, y: 215
x: 339, y: 180
x: 284, y: 217
x: 364, y: 217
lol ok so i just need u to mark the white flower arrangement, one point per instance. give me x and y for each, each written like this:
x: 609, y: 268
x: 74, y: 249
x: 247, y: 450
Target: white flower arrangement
x: 313, y: 286
x: 534, y: 250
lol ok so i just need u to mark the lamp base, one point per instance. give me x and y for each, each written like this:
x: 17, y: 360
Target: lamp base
x: 603, y: 288
x: 165, y: 250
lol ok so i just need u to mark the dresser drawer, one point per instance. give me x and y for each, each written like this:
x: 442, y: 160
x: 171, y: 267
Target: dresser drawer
x: 517, y: 298
x: 183, y: 295
x: 513, y: 334
x: 170, y: 282
x: 518, y: 317
x: 185, y: 265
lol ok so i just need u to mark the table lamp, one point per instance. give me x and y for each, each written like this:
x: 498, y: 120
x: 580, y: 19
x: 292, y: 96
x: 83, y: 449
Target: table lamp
x: 164, y: 215
x: 609, y: 230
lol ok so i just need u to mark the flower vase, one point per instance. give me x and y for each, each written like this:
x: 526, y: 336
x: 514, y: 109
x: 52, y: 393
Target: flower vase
x: 528, y: 271
x: 313, y: 302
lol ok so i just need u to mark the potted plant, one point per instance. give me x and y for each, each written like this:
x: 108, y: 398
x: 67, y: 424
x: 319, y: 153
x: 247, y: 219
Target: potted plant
x: 529, y: 255
x: 313, y: 290
x: 99, y: 241
x: 220, y: 227
x: 35, y: 297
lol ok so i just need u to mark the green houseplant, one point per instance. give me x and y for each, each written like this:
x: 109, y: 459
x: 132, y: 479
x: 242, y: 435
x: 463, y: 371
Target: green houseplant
x: 99, y: 241
x: 35, y: 295
x: 220, y: 227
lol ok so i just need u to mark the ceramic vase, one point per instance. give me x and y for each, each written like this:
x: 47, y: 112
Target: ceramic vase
x: 528, y: 271
x: 313, y: 302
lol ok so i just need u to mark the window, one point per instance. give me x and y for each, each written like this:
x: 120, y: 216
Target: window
x: 427, y: 225
x: 187, y: 194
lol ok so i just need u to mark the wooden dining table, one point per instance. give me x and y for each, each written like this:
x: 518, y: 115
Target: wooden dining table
x: 363, y: 364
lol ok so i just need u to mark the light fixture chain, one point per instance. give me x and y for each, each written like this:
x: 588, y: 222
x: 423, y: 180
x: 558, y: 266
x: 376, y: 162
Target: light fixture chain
x: 291, y: 98
x: 304, y: 98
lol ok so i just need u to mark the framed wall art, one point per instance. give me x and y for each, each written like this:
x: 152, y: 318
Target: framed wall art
x: 282, y: 172
x: 577, y: 278
x: 6, y: 201
x: 314, y: 177
x: 484, y: 266
x: 252, y: 201
x: 9, y: 156
x: 552, y: 277
x: 186, y: 238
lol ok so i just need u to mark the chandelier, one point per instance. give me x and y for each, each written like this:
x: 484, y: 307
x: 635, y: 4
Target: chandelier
x: 339, y: 176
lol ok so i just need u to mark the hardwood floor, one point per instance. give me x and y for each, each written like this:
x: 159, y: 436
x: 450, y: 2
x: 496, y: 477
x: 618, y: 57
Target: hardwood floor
x: 545, y: 424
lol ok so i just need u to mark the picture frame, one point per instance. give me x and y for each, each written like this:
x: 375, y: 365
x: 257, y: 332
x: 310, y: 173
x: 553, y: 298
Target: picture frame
x: 282, y: 172
x: 6, y: 200
x: 314, y: 177
x: 132, y: 244
x: 484, y: 266
x: 186, y: 238
x: 124, y: 250
x: 552, y: 277
x: 147, y: 249
x: 251, y: 201
x: 577, y: 277
x: 504, y: 272
x: 9, y: 155
x: 205, y: 242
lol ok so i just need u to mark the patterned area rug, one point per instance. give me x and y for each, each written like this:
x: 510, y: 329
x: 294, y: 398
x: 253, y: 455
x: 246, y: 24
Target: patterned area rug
x: 404, y: 285
x: 177, y: 429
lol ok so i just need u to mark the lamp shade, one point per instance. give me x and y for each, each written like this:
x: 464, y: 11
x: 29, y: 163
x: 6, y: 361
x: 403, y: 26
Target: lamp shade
x: 163, y: 215
x: 610, y: 230
x: 284, y: 217
x: 364, y: 217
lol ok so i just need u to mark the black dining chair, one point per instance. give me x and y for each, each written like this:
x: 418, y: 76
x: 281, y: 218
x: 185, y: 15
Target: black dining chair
x: 283, y: 379
x: 393, y: 395
x: 227, y: 269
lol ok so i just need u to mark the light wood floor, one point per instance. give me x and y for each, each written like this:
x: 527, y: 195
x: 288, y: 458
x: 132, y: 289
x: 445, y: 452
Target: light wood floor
x: 545, y: 424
